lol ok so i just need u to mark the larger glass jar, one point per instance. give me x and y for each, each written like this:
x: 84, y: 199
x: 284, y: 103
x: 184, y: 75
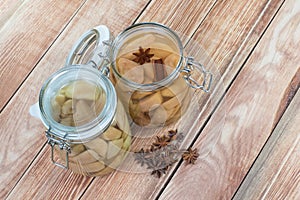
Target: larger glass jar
x: 152, y: 75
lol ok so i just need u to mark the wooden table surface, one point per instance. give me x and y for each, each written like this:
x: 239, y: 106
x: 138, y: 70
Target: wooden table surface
x: 246, y: 129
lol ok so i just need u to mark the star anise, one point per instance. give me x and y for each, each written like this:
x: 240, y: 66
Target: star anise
x: 161, y: 141
x: 190, y: 156
x: 140, y: 157
x: 162, y: 154
x: 158, y: 166
x: 142, y: 56
x: 159, y: 172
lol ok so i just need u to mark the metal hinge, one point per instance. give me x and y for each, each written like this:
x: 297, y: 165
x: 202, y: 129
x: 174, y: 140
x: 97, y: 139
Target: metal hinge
x: 63, y: 145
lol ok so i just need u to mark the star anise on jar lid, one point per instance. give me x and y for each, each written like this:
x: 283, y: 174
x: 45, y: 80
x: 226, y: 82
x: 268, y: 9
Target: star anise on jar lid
x: 190, y: 156
x: 142, y: 56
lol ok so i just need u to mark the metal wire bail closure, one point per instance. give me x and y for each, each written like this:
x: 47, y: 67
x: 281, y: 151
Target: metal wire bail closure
x: 207, y: 75
x: 99, y: 38
x: 63, y: 145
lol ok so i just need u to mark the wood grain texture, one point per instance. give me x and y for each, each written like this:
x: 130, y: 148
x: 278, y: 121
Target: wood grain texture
x: 276, y: 172
x: 127, y: 183
x: 182, y: 16
x: 22, y: 134
x: 252, y: 104
x: 53, y: 182
x: 26, y: 36
x: 7, y: 9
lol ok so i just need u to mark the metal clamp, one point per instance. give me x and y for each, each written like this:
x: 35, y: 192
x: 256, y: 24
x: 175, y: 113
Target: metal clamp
x: 52, y: 141
x: 207, y: 75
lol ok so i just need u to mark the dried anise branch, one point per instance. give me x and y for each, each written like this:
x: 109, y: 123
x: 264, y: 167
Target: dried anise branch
x: 164, y: 152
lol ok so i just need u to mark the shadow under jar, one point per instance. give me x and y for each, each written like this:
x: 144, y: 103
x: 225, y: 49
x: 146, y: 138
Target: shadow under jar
x: 152, y: 75
x: 86, y: 125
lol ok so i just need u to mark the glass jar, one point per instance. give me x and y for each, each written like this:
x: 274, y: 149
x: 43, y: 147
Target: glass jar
x: 87, y: 126
x: 151, y: 73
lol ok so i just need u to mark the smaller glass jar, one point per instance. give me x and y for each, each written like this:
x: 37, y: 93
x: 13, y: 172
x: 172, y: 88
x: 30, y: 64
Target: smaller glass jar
x: 152, y: 75
x: 87, y: 126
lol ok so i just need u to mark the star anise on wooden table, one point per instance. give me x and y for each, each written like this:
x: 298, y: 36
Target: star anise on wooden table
x: 142, y: 56
x: 161, y: 141
x: 164, y: 152
x: 160, y: 171
x: 141, y: 157
x: 190, y: 156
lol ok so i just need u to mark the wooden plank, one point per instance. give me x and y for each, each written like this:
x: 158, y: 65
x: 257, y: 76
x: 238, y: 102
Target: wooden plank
x: 22, y: 134
x: 251, y: 107
x: 276, y: 172
x: 7, y: 9
x: 26, y: 36
x: 169, y: 13
x: 133, y: 182
x: 60, y: 184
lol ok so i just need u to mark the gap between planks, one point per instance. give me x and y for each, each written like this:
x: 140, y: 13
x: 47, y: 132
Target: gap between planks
x: 8, y: 98
x: 276, y: 141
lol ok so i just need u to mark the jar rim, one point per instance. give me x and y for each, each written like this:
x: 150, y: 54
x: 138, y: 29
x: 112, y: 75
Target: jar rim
x: 148, y: 86
x: 86, y: 131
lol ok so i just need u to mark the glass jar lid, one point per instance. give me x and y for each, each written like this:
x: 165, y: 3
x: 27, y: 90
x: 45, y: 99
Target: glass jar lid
x: 150, y: 41
x: 92, y: 128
